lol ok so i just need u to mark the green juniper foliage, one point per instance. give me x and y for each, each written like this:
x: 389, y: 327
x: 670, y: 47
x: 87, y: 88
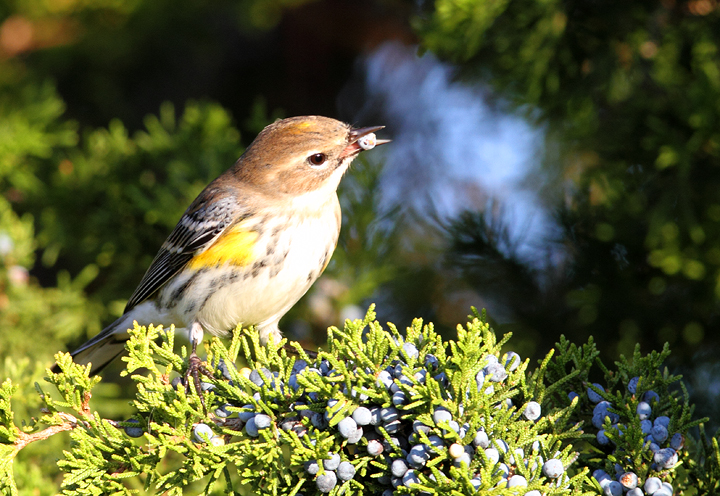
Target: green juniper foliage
x: 375, y: 413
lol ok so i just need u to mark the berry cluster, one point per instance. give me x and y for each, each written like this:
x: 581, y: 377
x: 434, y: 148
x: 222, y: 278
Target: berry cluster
x: 404, y: 449
x: 379, y: 413
x: 412, y: 422
x: 659, y: 447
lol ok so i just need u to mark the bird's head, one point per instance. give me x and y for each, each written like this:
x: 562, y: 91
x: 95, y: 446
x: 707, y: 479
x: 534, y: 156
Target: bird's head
x: 301, y: 155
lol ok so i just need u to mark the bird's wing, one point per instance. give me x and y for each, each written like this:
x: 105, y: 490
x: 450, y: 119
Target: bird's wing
x: 197, y: 229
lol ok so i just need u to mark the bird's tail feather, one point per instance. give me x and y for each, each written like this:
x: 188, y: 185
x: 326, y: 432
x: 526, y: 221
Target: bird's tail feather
x: 102, y: 349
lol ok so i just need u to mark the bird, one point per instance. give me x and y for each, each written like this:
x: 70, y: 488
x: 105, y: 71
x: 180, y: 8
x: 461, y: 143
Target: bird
x: 250, y: 245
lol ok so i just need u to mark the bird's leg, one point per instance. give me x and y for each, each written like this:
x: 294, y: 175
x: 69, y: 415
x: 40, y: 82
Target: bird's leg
x: 195, y: 365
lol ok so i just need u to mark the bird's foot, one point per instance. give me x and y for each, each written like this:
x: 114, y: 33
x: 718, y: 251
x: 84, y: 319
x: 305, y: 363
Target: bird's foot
x: 196, y: 367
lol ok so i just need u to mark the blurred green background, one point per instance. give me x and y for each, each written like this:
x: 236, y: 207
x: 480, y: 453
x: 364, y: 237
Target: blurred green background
x: 555, y: 162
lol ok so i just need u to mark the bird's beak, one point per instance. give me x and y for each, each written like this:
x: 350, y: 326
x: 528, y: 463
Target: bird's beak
x: 353, y: 147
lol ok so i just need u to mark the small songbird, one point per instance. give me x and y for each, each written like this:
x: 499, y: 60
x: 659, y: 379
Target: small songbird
x: 251, y: 244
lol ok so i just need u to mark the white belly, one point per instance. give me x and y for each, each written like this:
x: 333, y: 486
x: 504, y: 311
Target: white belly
x: 260, y: 293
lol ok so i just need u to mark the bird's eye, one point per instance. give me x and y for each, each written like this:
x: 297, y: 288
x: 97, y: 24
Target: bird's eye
x: 317, y: 159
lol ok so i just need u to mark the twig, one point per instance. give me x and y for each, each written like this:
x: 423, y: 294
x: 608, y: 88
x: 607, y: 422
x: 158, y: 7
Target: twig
x: 24, y: 439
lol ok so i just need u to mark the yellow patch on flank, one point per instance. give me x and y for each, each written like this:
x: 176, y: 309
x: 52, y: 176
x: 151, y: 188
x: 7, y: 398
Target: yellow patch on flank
x: 234, y: 248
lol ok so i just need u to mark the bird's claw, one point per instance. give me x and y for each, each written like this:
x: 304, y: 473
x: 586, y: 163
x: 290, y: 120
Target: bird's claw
x: 195, y: 368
